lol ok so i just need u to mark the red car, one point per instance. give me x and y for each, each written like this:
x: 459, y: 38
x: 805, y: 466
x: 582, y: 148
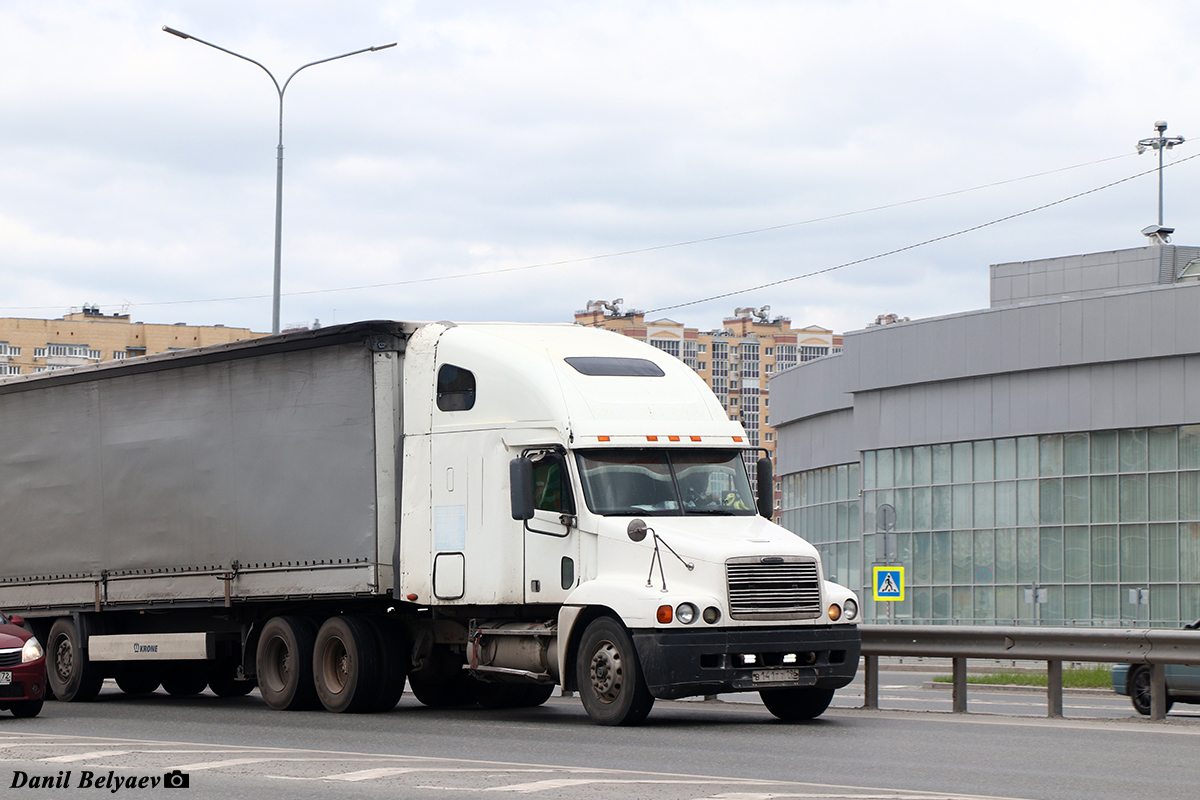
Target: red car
x: 22, y: 669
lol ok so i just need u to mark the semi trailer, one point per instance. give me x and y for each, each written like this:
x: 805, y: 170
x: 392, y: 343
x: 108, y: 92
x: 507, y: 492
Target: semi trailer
x: 482, y: 510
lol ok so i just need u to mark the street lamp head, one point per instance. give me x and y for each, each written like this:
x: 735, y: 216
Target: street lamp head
x: 174, y: 32
x: 382, y: 46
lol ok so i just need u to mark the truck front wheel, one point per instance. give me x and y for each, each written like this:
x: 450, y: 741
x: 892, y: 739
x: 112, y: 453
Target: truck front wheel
x: 609, y: 677
x: 346, y: 665
x: 796, y: 704
x: 285, y: 658
x: 72, y: 677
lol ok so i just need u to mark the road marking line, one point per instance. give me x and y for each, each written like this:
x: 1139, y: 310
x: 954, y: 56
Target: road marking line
x: 231, y: 762
x: 562, y: 783
x: 369, y: 774
x: 84, y: 756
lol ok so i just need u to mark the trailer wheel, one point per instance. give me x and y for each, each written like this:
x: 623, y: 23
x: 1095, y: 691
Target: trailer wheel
x: 346, y: 665
x: 185, y: 679
x: 284, y: 658
x: 70, y: 674
x: 393, y: 664
x: 138, y: 679
x: 609, y: 677
x: 798, y: 703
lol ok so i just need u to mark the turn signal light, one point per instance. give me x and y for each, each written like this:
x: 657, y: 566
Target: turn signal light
x: 665, y: 614
x: 835, y: 612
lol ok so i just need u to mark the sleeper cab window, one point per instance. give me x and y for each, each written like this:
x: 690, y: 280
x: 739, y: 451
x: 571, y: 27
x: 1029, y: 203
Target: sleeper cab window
x: 455, y: 388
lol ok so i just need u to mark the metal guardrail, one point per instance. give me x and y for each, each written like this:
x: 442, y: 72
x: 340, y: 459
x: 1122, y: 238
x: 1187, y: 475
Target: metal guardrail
x: 1153, y: 646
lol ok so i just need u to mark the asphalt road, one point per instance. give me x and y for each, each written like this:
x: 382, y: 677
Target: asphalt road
x: 726, y: 750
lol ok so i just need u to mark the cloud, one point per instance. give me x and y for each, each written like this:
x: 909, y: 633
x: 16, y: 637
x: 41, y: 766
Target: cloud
x: 138, y: 166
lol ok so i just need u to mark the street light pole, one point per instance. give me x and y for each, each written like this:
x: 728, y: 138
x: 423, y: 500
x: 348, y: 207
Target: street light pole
x: 278, y: 152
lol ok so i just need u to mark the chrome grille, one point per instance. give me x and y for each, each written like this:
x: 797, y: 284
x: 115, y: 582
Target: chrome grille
x: 10, y: 657
x: 773, y: 587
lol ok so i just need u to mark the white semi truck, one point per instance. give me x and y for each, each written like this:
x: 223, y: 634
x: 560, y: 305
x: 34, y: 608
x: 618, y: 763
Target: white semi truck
x: 484, y: 510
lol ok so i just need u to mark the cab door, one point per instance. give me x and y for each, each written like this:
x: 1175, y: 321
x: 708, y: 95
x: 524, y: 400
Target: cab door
x: 551, y: 537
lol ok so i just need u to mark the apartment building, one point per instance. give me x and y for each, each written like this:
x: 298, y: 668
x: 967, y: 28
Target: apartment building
x: 88, y: 336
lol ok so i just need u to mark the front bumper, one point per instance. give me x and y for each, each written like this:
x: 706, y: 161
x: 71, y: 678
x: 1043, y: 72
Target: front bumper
x: 28, y: 683
x: 684, y: 663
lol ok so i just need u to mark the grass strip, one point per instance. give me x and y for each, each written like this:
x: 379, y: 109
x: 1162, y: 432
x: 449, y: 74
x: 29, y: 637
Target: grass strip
x: 1098, y: 677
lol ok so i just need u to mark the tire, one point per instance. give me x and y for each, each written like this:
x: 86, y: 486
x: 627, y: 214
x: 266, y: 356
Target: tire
x: 346, y: 665
x: 223, y: 680
x: 284, y: 661
x: 27, y: 708
x: 511, y: 695
x: 443, y: 682
x: 138, y: 680
x: 393, y: 664
x: 792, y: 705
x: 1138, y: 684
x: 70, y: 674
x: 185, y: 679
x: 609, y: 677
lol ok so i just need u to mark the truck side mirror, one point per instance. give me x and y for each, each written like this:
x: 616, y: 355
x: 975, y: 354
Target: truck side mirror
x: 520, y: 477
x: 766, y: 488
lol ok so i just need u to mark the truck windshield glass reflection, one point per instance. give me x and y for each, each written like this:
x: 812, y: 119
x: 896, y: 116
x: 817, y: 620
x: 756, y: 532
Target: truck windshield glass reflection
x: 665, y: 482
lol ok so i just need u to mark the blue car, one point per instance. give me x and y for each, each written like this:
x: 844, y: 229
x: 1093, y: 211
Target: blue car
x: 1183, y: 683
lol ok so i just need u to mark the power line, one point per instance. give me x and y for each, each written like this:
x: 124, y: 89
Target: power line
x: 914, y: 246
x: 619, y: 254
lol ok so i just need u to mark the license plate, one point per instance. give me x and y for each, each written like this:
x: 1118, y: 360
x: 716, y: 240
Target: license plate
x: 5, y: 678
x: 775, y: 675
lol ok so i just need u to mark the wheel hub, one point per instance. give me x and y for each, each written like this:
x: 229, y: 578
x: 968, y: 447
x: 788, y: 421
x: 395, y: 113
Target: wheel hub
x: 63, y: 659
x: 606, y: 672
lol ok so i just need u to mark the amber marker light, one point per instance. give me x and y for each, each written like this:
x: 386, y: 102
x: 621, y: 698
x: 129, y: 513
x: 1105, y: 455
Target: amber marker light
x: 665, y: 615
x: 835, y: 612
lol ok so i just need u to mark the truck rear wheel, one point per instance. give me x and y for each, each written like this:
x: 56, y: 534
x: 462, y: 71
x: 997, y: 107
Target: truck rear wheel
x: 70, y: 674
x: 346, y: 665
x: 443, y: 682
x: 512, y: 695
x: 285, y: 658
x: 798, y: 703
x: 609, y: 677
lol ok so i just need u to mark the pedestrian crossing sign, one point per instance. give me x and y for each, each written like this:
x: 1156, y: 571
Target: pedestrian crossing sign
x: 889, y: 583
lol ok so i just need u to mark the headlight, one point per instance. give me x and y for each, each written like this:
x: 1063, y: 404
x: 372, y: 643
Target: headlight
x: 851, y: 609
x: 32, y: 651
x: 835, y: 612
x: 685, y: 613
x: 712, y: 615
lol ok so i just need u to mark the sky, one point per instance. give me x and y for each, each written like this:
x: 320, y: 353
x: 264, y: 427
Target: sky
x: 514, y: 160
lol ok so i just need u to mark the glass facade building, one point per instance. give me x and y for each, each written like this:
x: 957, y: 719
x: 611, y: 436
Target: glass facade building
x: 1106, y: 522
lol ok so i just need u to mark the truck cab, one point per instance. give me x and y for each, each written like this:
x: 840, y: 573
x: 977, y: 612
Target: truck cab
x: 596, y: 485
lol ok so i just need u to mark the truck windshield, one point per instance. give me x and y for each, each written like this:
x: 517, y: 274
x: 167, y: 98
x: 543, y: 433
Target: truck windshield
x: 665, y: 482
